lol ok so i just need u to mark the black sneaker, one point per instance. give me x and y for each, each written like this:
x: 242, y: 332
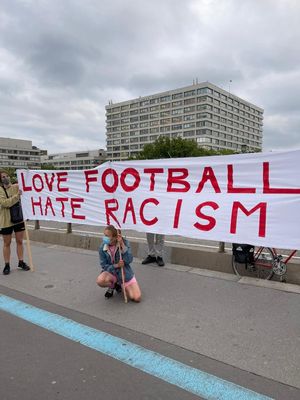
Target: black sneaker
x: 109, y: 293
x: 23, y: 266
x: 6, y: 269
x: 118, y: 288
x: 149, y: 259
x: 160, y: 262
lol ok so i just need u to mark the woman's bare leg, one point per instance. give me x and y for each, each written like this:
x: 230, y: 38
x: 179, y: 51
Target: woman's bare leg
x: 19, y: 241
x: 105, y: 279
x: 6, y: 247
x: 134, y: 292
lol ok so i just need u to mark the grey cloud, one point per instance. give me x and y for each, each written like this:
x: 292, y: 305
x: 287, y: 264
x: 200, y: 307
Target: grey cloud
x: 62, y: 61
x: 56, y: 61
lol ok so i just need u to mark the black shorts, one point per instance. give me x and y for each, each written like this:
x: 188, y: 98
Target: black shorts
x: 14, y: 228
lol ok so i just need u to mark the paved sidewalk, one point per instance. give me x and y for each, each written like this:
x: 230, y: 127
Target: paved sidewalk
x: 253, y: 328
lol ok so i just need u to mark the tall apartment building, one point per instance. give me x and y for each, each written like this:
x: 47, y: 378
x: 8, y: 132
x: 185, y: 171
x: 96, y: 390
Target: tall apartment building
x: 75, y: 159
x: 213, y: 117
x: 18, y: 153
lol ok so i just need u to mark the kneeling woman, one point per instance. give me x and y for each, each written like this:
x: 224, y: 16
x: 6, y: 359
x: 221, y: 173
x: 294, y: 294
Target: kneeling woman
x: 112, y: 261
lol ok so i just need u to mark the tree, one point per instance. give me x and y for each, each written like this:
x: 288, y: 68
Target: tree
x: 177, y: 147
x: 246, y: 149
x: 47, y: 166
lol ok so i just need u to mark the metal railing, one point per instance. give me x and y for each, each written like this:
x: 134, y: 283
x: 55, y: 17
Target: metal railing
x: 221, y: 246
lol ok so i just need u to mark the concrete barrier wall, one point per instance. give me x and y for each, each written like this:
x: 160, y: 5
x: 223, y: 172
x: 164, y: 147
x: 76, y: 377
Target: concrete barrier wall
x: 176, y: 254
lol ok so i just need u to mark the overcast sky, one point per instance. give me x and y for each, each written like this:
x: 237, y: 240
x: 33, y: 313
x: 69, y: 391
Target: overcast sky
x: 61, y: 61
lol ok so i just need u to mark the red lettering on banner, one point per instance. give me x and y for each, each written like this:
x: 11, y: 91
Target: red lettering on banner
x: 36, y: 203
x: 133, y: 172
x: 129, y: 208
x: 179, y: 180
x: 153, y: 171
x: 113, y: 187
x: 262, y: 207
x: 49, y: 183
x: 111, y: 205
x: 211, y: 220
x: 208, y: 175
x: 177, y: 213
x: 145, y: 221
x: 62, y: 177
x: 266, y: 180
x: 35, y: 179
x: 62, y: 200
x: 49, y: 205
x: 74, y: 206
x: 24, y: 187
x: 230, y: 188
x: 89, y: 178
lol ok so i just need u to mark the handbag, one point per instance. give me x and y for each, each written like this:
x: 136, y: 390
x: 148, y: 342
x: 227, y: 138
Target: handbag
x: 16, y: 214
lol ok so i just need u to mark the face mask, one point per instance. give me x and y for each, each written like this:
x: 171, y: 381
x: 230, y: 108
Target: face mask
x: 5, y: 181
x: 106, y: 240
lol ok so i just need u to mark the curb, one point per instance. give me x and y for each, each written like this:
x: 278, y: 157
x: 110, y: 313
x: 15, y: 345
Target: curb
x: 182, y: 257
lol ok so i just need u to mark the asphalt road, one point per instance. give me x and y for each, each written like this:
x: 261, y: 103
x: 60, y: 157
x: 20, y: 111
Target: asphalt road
x: 38, y: 364
x: 240, y: 332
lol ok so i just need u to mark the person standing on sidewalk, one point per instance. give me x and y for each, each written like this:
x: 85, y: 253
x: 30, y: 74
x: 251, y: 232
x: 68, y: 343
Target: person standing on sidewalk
x: 112, y: 261
x: 155, y: 249
x: 10, y: 195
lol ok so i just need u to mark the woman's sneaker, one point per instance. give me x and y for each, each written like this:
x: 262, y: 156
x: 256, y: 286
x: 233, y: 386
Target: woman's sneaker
x: 118, y: 288
x: 160, y: 262
x: 23, y: 266
x: 109, y: 293
x: 149, y: 259
x: 6, y: 269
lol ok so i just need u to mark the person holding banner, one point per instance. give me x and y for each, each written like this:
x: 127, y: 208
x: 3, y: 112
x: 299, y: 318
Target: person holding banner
x: 155, y: 249
x: 10, y: 195
x: 115, y: 254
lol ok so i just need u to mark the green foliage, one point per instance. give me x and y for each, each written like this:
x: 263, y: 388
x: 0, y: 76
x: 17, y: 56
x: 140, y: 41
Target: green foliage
x: 225, y: 152
x: 47, y: 166
x: 164, y: 147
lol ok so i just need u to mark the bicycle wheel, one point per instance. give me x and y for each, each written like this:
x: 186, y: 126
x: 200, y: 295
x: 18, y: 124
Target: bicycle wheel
x: 260, y: 268
x: 264, y: 260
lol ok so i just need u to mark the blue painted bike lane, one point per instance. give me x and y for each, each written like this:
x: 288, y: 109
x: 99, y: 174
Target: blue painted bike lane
x: 200, y: 383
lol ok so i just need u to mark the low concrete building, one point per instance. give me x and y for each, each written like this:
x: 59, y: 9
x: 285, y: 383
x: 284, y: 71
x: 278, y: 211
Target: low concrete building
x: 75, y: 159
x: 19, y: 153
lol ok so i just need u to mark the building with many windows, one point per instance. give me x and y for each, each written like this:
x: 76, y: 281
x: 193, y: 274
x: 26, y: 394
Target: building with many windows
x: 213, y: 117
x: 75, y: 159
x: 18, y: 153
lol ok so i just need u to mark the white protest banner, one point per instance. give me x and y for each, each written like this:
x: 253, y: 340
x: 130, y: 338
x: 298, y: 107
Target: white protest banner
x: 244, y: 198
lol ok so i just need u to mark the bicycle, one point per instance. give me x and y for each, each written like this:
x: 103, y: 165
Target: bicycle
x: 264, y: 263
